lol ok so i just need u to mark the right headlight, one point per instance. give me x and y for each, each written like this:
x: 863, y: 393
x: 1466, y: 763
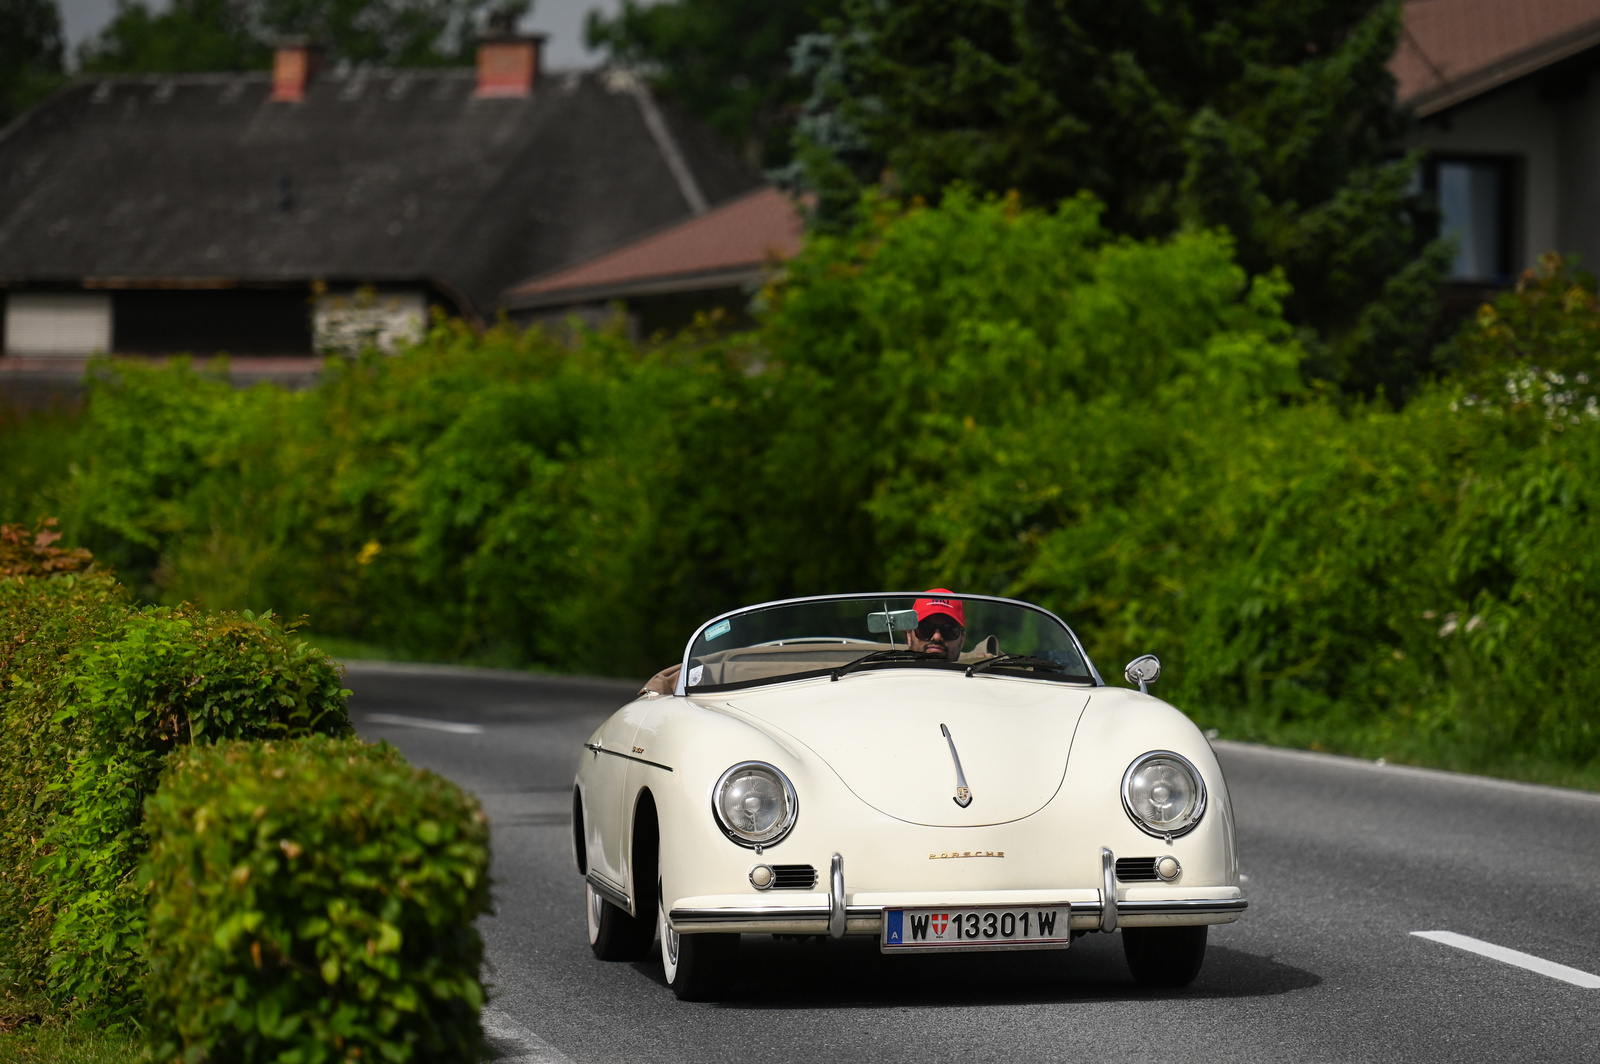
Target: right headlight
x: 1163, y: 794
x: 754, y: 804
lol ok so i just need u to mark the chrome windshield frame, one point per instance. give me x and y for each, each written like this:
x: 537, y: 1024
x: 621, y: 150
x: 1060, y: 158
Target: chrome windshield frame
x: 682, y: 688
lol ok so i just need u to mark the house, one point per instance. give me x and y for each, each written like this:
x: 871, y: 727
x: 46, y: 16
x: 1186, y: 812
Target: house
x: 709, y: 262
x: 1509, y: 103
x: 1509, y: 122
x: 278, y: 215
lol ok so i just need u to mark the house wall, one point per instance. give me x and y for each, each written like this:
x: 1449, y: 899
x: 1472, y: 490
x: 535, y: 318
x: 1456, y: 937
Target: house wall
x: 1550, y: 122
x: 56, y: 324
x: 76, y: 323
x: 349, y: 321
x: 1515, y: 122
x: 1580, y: 175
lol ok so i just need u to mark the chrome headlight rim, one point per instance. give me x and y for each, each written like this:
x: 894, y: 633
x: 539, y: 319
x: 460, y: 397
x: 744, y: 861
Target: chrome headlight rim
x: 1189, y: 823
x: 780, y: 831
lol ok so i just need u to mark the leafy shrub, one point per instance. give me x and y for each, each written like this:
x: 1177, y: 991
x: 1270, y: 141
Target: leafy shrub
x: 42, y: 621
x: 976, y: 396
x: 313, y: 901
x: 95, y: 694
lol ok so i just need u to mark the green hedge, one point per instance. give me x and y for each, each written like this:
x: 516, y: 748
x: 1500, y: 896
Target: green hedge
x: 47, y: 608
x: 94, y: 693
x: 313, y: 901
x: 975, y: 396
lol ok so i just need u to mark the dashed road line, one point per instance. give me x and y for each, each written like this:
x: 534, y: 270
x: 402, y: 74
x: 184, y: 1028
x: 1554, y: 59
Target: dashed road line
x: 1513, y: 957
x: 515, y: 1044
x: 452, y: 726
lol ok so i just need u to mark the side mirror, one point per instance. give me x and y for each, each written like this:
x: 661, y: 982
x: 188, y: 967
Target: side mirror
x: 1144, y: 671
x: 891, y: 621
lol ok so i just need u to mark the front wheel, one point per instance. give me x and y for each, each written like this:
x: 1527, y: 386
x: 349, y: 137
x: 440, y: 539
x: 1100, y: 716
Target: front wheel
x: 1164, y: 956
x: 613, y: 934
x: 695, y: 965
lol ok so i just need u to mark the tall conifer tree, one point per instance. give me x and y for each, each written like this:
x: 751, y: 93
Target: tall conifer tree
x: 1276, y: 119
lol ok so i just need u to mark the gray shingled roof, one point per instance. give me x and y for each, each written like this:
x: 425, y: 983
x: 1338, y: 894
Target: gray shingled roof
x: 376, y: 177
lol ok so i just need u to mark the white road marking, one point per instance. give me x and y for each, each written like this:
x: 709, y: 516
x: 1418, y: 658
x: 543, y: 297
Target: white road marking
x: 1514, y: 957
x: 451, y: 726
x: 518, y: 1044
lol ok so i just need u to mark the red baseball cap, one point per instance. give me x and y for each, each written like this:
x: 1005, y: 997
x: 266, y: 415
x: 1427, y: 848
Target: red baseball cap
x: 944, y: 603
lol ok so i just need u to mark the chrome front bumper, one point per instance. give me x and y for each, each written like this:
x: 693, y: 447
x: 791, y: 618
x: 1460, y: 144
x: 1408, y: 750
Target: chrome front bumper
x: 868, y: 919
x: 837, y: 918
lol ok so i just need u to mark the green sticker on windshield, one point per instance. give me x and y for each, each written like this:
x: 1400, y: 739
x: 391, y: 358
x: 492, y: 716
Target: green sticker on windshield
x: 720, y: 628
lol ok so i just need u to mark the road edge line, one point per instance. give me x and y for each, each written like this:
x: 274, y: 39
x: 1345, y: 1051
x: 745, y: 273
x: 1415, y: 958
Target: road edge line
x: 1440, y: 775
x: 526, y: 1047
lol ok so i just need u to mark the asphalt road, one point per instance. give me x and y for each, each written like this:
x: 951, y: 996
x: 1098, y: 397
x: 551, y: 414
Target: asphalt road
x: 1344, y: 861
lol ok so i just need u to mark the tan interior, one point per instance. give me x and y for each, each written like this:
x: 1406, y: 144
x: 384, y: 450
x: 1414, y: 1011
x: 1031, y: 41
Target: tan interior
x: 749, y: 664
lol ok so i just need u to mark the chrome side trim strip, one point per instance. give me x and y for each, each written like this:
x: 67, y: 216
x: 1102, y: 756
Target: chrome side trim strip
x: 1108, y: 890
x: 836, y: 907
x: 611, y: 892
x: 597, y: 748
x: 1184, y: 907
x: 775, y: 913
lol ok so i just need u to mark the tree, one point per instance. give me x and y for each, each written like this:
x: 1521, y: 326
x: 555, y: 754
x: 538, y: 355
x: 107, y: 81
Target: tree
x: 190, y: 35
x: 1276, y: 121
x: 726, y: 60
x: 239, y: 34
x: 30, y: 54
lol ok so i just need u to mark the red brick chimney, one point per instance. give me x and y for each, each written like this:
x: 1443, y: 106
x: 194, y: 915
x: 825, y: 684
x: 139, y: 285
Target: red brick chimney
x: 508, y: 63
x: 294, y: 64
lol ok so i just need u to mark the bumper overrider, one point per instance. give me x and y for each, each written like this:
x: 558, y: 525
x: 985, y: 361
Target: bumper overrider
x: 837, y: 914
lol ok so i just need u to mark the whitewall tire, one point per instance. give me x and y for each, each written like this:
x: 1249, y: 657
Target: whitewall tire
x: 696, y: 966
x: 613, y: 934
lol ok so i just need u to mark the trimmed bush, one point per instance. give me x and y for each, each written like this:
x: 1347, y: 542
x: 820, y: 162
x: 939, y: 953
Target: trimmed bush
x: 93, y: 695
x: 46, y: 610
x: 313, y: 901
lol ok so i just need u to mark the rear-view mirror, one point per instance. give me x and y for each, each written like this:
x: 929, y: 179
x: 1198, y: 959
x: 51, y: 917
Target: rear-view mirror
x: 892, y: 621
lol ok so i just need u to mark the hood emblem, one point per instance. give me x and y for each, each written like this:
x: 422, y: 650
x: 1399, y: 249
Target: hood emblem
x: 963, y: 796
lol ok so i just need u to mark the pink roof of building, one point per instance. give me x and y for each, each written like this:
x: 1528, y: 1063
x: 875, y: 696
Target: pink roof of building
x: 1453, y: 50
x: 727, y: 246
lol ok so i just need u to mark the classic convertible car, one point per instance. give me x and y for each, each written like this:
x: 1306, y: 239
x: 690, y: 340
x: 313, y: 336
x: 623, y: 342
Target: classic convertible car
x: 942, y: 773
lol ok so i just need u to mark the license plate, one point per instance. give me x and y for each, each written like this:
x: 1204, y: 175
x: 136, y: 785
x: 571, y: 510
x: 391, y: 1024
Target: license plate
x: 976, y: 929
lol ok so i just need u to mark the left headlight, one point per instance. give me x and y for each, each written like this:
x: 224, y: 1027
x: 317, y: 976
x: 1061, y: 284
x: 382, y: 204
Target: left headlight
x: 1163, y: 794
x: 755, y: 804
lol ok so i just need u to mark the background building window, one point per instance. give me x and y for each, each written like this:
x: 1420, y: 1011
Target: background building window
x: 1476, y: 208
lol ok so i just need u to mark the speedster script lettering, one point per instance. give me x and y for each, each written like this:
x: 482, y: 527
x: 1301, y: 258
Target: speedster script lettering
x: 949, y: 929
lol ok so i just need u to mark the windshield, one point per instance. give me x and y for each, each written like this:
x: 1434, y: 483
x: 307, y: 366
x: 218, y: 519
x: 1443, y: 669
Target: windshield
x: 845, y: 635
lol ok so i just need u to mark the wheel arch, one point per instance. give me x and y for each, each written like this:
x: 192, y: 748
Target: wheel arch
x: 580, y: 845
x: 644, y: 851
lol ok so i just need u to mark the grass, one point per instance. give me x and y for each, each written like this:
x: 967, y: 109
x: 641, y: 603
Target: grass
x: 31, y: 1034
x: 1400, y: 748
x: 37, y: 451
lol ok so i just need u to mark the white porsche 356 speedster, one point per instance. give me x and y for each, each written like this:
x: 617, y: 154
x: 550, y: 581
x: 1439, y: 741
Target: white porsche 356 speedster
x: 941, y: 773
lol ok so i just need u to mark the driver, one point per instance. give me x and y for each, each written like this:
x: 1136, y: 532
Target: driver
x: 941, y: 625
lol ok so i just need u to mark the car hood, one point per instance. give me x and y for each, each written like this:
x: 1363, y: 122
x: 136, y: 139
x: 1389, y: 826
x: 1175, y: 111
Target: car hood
x: 880, y: 732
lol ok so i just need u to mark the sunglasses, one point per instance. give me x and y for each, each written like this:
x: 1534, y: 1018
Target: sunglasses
x: 949, y: 629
